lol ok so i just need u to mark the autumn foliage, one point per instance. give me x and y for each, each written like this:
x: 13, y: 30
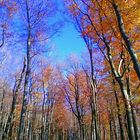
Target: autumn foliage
x: 96, y: 97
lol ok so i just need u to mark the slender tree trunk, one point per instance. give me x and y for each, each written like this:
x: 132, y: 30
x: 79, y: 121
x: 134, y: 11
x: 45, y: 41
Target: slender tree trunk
x: 111, y: 130
x: 92, y: 124
x: 27, y: 77
x: 114, y: 129
x: 1, y: 111
x: 104, y: 134
x: 128, y: 112
x: 9, y: 123
x: 137, y: 134
x: 120, y: 121
x: 81, y: 128
x: 43, y: 115
x: 94, y: 96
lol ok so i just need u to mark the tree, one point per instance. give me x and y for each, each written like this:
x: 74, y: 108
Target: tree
x: 75, y: 89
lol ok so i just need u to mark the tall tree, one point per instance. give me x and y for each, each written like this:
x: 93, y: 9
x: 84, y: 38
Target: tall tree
x: 35, y: 18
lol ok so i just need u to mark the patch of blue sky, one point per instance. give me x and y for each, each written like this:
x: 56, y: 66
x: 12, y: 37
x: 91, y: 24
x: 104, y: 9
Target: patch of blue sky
x: 68, y: 42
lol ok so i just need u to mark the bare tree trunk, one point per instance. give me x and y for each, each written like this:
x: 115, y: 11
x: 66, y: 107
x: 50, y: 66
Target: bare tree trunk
x: 50, y: 120
x: 114, y: 129
x: 104, y: 134
x: 43, y: 113
x: 128, y: 112
x: 94, y: 95
x: 27, y: 77
x: 111, y: 130
x: 92, y: 125
x: 9, y: 123
x: 137, y: 133
x: 2, y: 93
x: 120, y: 121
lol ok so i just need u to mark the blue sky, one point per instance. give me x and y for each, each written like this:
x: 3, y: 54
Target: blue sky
x: 68, y: 42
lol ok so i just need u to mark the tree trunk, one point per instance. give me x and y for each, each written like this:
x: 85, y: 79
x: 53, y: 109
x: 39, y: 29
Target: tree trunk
x: 127, y: 40
x: 128, y: 112
x: 2, y: 93
x: 137, y: 133
x: 27, y: 78
x: 9, y: 123
x: 94, y: 96
x: 120, y: 121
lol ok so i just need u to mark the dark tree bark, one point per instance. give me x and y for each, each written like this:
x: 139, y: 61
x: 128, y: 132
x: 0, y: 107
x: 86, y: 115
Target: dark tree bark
x: 127, y: 40
x: 9, y: 123
x: 120, y: 120
x: 3, y: 39
x: 27, y: 76
x: 1, y: 111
